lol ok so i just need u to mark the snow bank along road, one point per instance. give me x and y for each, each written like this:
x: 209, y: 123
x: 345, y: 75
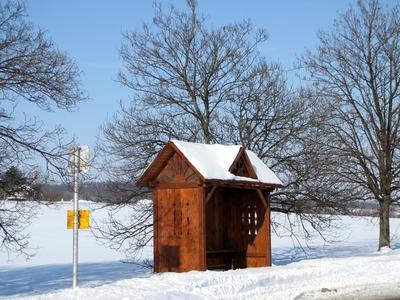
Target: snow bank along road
x: 375, y: 276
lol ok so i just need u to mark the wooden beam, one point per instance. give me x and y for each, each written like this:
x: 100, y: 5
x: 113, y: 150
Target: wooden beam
x: 242, y: 184
x: 263, y: 200
x: 210, y: 193
x: 266, y: 203
x: 202, y: 239
x: 156, y: 251
x: 175, y: 185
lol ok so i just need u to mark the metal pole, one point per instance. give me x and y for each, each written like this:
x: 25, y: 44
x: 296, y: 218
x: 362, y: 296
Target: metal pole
x: 76, y: 217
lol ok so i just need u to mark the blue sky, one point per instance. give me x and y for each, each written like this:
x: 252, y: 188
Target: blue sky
x: 90, y: 31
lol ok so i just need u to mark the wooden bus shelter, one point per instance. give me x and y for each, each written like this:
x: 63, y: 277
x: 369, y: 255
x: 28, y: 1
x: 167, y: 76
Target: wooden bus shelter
x: 211, y: 207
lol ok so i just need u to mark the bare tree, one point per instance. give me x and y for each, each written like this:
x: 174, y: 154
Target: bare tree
x: 181, y: 74
x: 185, y: 71
x: 281, y: 124
x: 355, y: 71
x: 33, y: 70
x: 211, y: 85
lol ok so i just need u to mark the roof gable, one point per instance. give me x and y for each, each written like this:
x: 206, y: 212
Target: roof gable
x: 241, y: 166
x: 177, y: 170
x: 161, y: 161
x: 229, y: 163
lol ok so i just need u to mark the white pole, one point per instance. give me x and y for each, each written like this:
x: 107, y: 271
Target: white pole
x: 76, y: 216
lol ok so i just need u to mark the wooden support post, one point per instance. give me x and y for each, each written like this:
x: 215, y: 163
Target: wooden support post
x: 266, y: 203
x: 263, y: 200
x: 210, y: 193
x: 156, y: 251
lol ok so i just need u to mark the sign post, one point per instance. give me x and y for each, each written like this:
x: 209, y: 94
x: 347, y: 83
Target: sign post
x: 76, y: 218
x: 79, y: 158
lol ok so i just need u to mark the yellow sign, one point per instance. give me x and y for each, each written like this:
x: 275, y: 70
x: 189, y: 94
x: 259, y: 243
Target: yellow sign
x: 83, y: 219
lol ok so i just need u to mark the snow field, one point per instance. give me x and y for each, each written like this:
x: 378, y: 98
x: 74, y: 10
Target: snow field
x: 347, y: 269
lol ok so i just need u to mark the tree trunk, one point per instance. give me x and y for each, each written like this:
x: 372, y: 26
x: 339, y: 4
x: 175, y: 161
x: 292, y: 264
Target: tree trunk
x: 384, y: 226
x: 207, y: 134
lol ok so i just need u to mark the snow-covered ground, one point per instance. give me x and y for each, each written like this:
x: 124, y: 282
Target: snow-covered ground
x: 350, y: 268
x: 51, y: 241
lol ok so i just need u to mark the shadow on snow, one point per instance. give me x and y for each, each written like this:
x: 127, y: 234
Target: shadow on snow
x: 49, y: 278
x: 287, y: 255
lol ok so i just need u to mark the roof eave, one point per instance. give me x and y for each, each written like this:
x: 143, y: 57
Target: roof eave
x: 243, y: 183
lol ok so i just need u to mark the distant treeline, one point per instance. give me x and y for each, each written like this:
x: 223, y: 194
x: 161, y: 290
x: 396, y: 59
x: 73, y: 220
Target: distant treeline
x: 93, y: 191
x: 353, y: 208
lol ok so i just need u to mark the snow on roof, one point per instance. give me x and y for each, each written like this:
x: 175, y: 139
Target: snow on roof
x: 214, y: 160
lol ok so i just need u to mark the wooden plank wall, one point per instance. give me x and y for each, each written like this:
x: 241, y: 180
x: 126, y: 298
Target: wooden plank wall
x: 179, y: 229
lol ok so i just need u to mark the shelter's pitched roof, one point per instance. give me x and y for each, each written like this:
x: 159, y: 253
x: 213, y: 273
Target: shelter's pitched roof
x: 214, y: 162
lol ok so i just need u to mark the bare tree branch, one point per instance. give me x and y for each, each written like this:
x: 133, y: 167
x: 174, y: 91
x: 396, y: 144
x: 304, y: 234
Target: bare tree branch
x: 33, y: 70
x: 355, y: 70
